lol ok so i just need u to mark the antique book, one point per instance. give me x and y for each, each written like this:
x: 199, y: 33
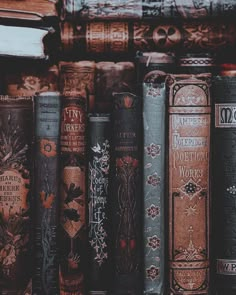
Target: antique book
x: 123, y: 38
x: 189, y: 185
x: 154, y: 182
x: 126, y: 194
x: 73, y: 225
x: 153, y: 65
x: 223, y: 183
x: 197, y: 63
x: 15, y: 193
x: 99, y: 146
x: 46, y: 193
x: 143, y: 9
x: 29, y: 78
x: 78, y: 76
x: 112, y: 77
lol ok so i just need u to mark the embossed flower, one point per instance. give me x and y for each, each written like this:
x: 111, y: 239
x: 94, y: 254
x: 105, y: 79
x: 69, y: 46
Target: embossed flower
x: 153, y: 242
x: 8, y: 255
x: 48, y: 148
x: 152, y: 272
x: 190, y: 188
x: 31, y: 83
x: 153, y: 211
x: 153, y: 150
x: 153, y: 179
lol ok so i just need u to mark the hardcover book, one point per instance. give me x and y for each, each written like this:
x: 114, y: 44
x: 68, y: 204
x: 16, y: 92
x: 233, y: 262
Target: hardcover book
x: 126, y: 194
x: 46, y: 193
x: 99, y: 130
x: 154, y: 119
x: 189, y: 185
x: 15, y: 193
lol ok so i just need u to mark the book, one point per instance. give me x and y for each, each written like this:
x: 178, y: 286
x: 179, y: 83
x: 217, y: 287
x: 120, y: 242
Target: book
x: 73, y: 201
x: 116, y: 39
x: 189, y: 183
x: 126, y: 194
x: 154, y: 187
x: 223, y: 187
x: 15, y: 193
x: 99, y: 154
x: 46, y: 193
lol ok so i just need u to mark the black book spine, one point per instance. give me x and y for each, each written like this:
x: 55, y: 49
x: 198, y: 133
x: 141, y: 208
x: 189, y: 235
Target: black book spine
x: 126, y: 194
x: 98, y: 185
x: 46, y: 193
x: 224, y: 183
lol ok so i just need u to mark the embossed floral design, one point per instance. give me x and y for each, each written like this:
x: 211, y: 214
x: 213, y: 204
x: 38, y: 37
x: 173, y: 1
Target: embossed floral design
x: 103, y: 158
x: 99, y: 244
x: 153, y: 242
x: 127, y: 161
x: 153, y: 150
x: 46, y: 199
x: 73, y: 261
x: 48, y: 148
x: 8, y: 255
x: 152, y: 272
x: 190, y: 188
x: 153, y: 211
x: 153, y: 179
x: 231, y: 190
x: 31, y: 83
x: 128, y: 101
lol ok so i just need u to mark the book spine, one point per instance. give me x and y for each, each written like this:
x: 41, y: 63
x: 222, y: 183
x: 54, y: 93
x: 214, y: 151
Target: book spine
x: 189, y: 188
x: 46, y: 191
x: 15, y: 193
x: 126, y: 194
x: 100, y: 10
x: 154, y: 187
x: 124, y: 38
x: 224, y: 176
x: 98, y: 187
x: 73, y: 254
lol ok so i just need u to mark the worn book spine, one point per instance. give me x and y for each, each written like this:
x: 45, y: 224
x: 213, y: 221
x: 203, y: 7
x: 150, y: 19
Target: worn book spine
x: 99, y: 146
x: 153, y: 66
x: 73, y: 226
x: 100, y: 10
x: 78, y: 77
x: 29, y: 79
x: 189, y: 187
x: 116, y: 38
x: 112, y: 77
x: 46, y: 193
x: 154, y: 106
x: 16, y: 138
x: 224, y: 189
x: 126, y: 194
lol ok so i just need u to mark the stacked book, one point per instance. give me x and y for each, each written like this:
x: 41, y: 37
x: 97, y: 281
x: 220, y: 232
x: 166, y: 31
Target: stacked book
x: 117, y: 141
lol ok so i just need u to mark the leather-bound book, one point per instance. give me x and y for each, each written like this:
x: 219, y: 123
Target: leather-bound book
x: 21, y: 79
x: 123, y: 38
x: 142, y: 9
x: 150, y: 65
x: 197, y: 63
x: 126, y: 194
x: 73, y: 198
x: 78, y: 76
x: 46, y: 193
x: 99, y: 146
x: 223, y: 184
x: 154, y: 122
x: 189, y: 187
x: 112, y: 77
x: 16, y: 136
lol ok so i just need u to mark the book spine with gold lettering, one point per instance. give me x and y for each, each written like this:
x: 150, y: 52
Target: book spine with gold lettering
x: 189, y: 185
x: 126, y: 194
x: 223, y: 184
x: 73, y: 226
x: 46, y: 193
x: 99, y: 138
x: 16, y: 136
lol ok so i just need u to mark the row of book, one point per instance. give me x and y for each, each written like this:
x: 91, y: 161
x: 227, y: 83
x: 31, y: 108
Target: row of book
x: 90, y: 202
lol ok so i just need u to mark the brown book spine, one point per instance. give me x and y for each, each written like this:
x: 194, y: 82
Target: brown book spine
x: 73, y: 241
x: 123, y: 38
x: 77, y: 77
x: 15, y: 190
x: 189, y: 192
